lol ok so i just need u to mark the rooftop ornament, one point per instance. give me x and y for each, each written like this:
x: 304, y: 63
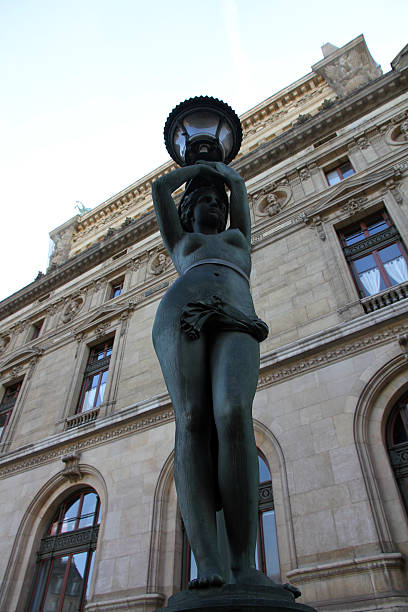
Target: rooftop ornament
x: 202, y: 128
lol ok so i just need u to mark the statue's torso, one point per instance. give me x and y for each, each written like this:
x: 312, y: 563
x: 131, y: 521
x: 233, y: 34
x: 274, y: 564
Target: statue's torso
x: 230, y: 246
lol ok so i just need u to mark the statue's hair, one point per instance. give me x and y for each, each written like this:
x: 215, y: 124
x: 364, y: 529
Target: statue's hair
x: 189, y: 200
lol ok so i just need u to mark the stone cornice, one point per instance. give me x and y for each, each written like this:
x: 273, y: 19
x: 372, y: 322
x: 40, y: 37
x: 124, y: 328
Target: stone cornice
x: 323, y: 123
x: 79, y: 264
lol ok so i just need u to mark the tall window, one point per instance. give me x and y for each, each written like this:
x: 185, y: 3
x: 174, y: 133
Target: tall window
x: 267, y: 545
x: 65, y: 564
x: 397, y: 442
x: 375, y: 253
x: 96, y: 375
x: 7, y: 405
x: 267, y: 558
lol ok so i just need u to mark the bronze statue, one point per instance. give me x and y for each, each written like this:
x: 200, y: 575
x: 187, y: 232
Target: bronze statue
x: 206, y: 335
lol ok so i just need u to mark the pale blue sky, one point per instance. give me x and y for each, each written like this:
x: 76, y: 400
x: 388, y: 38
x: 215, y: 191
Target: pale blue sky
x: 86, y: 86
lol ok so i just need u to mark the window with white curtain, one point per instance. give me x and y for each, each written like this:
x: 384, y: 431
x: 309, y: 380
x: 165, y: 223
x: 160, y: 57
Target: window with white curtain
x: 375, y: 253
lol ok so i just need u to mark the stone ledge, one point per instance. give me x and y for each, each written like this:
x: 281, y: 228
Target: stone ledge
x: 142, y: 603
x: 348, y: 566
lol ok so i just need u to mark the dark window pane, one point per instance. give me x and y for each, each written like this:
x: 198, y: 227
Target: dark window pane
x: 270, y: 545
x: 41, y: 580
x: 399, y: 432
x: 88, y: 582
x: 75, y: 582
x: 354, y: 237
x: 377, y: 226
x: 4, y: 417
x: 55, y: 584
x: 264, y: 473
x: 346, y: 170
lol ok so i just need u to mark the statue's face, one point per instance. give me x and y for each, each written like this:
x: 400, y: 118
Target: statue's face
x: 209, y: 209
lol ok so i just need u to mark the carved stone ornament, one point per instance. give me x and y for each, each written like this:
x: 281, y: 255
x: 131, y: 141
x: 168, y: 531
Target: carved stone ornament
x: 403, y: 342
x: 395, y: 191
x: 348, y: 68
x: 72, y: 471
x: 4, y: 342
x: 158, y: 263
x: 354, y: 205
x: 101, y: 329
x: 398, y: 135
x: 72, y: 309
x: 134, y: 264
x: 268, y: 203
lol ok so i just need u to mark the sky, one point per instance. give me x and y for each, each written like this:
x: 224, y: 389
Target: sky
x: 86, y: 86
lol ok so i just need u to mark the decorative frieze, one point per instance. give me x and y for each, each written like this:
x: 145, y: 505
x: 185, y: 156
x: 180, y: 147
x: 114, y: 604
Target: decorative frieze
x: 327, y: 356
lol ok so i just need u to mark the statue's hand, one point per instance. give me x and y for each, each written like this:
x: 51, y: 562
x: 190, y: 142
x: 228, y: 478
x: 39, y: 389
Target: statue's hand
x: 228, y: 174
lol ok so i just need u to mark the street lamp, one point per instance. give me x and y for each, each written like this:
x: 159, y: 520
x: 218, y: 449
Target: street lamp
x: 202, y: 128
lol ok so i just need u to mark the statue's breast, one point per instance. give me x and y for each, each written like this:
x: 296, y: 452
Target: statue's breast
x: 230, y: 245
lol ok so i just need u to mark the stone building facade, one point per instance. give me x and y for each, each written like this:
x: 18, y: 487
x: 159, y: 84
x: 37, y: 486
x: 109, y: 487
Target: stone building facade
x: 84, y: 410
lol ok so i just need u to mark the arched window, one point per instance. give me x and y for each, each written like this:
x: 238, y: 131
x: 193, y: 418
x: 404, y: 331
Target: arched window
x: 397, y: 442
x: 267, y: 558
x: 66, y: 556
x: 267, y: 546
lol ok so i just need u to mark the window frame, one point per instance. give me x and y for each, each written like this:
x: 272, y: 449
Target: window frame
x: 95, y: 367
x: 7, y: 407
x: 36, y: 329
x: 338, y: 168
x: 371, y: 244
x: 398, y: 451
x: 54, y: 546
x: 114, y: 285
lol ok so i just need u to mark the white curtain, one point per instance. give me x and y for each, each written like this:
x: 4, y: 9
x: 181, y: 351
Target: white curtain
x: 397, y: 269
x: 371, y: 281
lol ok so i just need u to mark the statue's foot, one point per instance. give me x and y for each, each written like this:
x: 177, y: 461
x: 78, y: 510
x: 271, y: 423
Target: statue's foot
x: 250, y: 576
x: 206, y: 581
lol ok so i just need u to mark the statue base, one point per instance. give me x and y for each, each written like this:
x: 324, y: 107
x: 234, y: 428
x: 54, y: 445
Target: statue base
x: 234, y: 598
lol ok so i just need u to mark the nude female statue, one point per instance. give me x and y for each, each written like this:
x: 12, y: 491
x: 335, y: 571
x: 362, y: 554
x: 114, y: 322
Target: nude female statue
x: 206, y: 335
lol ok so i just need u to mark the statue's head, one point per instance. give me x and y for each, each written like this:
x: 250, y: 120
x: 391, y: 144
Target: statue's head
x: 191, y: 198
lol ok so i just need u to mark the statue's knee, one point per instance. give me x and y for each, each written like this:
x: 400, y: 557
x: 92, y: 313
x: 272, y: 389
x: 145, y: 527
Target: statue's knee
x: 232, y: 414
x: 191, y: 419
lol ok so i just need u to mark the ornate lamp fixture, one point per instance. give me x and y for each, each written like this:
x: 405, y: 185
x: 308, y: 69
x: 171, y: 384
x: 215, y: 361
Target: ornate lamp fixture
x: 202, y: 128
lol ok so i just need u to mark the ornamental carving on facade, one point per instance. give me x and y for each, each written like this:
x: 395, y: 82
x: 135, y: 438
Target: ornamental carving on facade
x: 72, y: 309
x: 72, y: 471
x: 4, y: 342
x: 269, y: 202
x: 354, y: 205
x: 158, y: 263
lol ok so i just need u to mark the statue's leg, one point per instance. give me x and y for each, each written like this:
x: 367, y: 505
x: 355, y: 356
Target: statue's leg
x: 186, y: 372
x: 234, y: 371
